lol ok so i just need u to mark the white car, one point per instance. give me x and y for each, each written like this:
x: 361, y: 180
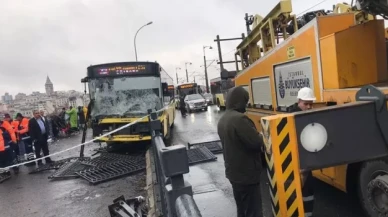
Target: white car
x: 195, y: 102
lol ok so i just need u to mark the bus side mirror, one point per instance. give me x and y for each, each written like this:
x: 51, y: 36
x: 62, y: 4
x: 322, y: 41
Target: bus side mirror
x: 165, y: 89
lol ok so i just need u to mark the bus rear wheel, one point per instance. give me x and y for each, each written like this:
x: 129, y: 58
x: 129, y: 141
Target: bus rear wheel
x: 373, y: 187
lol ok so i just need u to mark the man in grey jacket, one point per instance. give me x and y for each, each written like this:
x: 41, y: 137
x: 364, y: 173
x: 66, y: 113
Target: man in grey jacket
x: 242, y: 145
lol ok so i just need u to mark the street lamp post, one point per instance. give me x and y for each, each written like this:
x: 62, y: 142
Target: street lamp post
x: 187, y: 74
x: 176, y: 72
x: 204, y: 62
x: 134, y: 40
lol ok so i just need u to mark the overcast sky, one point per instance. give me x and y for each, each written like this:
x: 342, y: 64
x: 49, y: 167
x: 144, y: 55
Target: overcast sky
x: 60, y: 38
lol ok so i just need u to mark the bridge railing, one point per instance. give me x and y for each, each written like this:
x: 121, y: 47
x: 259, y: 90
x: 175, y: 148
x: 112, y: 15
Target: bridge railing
x: 171, y: 163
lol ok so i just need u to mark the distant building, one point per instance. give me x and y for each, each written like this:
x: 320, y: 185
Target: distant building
x: 50, y: 102
x: 7, y: 99
x: 49, y: 87
x: 20, y: 96
x: 3, y: 108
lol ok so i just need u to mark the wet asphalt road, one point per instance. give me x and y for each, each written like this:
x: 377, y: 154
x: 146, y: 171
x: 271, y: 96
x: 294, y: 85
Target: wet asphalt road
x: 34, y: 195
x: 212, y: 190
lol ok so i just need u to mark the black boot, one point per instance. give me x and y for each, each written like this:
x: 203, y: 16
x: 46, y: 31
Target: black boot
x: 15, y: 170
x: 40, y: 163
x: 48, y: 160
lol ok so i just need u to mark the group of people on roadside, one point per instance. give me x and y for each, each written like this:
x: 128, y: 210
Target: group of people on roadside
x: 242, y: 145
x: 69, y: 120
x: 23, y: 140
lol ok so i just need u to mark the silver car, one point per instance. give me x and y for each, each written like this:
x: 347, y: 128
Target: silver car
x: 195, y: 102
x: 209, y: 98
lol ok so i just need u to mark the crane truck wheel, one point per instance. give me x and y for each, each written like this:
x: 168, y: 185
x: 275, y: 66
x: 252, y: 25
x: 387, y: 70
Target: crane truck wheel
x: 373, y: 187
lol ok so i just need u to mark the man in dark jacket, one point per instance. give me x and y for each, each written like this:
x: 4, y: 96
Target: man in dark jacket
x: 182, y: 105
x: 81, y: 118
x: 242, y: 145
x: 306, y: 98
x: 39, y: 134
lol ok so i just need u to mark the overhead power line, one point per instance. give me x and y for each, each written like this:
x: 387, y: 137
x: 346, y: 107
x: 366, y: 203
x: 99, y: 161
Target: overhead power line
x: 311, y: 7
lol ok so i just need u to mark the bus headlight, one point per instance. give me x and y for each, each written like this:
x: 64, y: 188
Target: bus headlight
x: 313, y: 137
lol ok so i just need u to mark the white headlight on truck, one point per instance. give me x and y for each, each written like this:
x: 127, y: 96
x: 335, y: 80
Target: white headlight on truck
x: 313, y: 137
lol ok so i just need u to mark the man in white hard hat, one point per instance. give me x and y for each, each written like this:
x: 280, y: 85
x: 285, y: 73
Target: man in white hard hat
x: 305, y: 99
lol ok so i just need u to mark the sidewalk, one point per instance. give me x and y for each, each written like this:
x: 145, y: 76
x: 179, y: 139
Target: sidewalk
x: 213, y: 192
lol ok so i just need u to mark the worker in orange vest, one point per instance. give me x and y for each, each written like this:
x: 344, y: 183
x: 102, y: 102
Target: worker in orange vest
x: 7, y: 156
x: 25, y: 138
x: 8, y: 124
x: 7, y: 127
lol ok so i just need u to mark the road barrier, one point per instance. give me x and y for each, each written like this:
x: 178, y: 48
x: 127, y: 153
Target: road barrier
x: 171, y: 163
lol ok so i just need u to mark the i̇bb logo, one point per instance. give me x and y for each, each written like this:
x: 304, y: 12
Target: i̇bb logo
x: 281, y: 88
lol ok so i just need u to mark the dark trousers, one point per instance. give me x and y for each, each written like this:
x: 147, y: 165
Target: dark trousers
x: 248, y: 200
x: 308, y: 194
x: 7, y: 158
x: 55, y: 132
x: 183, y: 110
x: 41, y: 145
x: 28, y: 148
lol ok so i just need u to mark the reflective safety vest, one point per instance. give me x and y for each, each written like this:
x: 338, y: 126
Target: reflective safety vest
x: 2, y: 146
x: 8, y: 127
x: 23, y: 129
x: 15, y: 125
x: 5, y: 139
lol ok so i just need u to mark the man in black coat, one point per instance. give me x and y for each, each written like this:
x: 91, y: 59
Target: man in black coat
x: 242, y: 147
x: 39, y: 131
x: 81, y: 118
x: 182, y: 105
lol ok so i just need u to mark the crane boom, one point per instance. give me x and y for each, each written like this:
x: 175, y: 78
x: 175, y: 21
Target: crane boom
x: 375, y: 7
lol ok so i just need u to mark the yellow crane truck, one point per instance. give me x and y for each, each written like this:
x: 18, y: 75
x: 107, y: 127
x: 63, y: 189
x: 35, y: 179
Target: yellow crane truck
x: 335, y: 53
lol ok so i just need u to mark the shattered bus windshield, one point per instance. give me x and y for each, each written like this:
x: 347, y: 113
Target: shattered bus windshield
x: 125, y: 97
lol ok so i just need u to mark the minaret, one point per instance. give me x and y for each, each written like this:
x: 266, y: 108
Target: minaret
x: 49, y: 86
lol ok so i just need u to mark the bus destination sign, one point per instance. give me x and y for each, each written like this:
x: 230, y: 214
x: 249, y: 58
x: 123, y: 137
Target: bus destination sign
x: 120, y: 70
x: 186, y: 86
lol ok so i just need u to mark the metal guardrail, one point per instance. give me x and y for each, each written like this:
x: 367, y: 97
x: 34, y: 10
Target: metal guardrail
x: 170, y: 165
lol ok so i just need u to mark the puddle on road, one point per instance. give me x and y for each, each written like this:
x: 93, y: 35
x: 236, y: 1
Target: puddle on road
x: 78, y: 193
x: 92, y: 197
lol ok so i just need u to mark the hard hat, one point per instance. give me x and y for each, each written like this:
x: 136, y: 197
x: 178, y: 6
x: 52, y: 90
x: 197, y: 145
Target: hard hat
x: 306, y: 94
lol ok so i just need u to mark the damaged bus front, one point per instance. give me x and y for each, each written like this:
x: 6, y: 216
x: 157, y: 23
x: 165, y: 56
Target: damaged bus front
x: 121, y: 93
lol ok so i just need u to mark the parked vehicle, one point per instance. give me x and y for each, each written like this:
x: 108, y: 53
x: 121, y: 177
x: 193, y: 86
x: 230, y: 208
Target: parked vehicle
x: 195, y: 102
x: 209, y: 98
